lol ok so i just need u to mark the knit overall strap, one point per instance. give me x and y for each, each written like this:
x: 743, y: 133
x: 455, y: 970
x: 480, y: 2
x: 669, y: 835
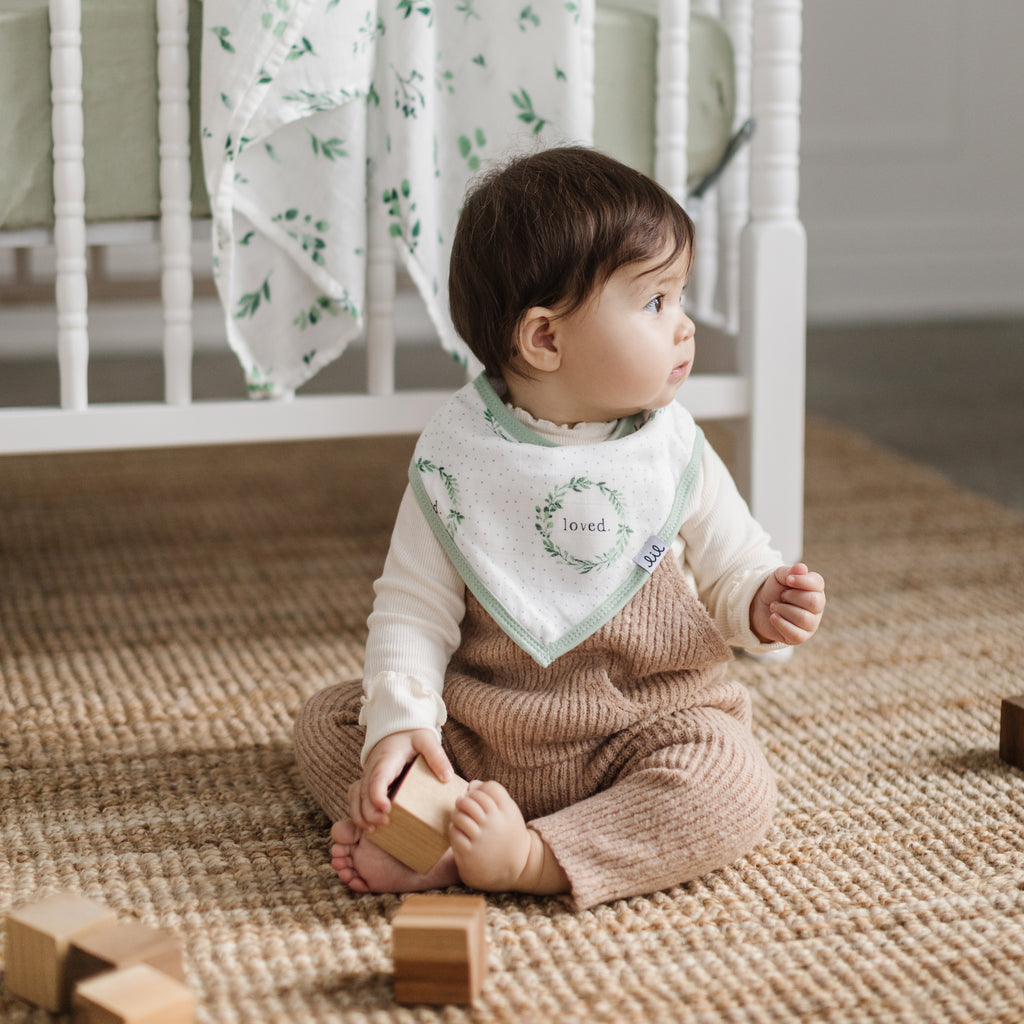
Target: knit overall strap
x: 661, y: 653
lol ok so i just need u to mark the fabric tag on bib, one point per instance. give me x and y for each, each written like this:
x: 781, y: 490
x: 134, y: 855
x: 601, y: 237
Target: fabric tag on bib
x: 651, y: 553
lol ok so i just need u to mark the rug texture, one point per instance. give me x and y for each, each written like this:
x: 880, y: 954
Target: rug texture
x: 163, y: 615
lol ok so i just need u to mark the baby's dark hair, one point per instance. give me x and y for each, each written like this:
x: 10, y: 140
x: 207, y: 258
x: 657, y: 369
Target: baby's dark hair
x: 546, y: 230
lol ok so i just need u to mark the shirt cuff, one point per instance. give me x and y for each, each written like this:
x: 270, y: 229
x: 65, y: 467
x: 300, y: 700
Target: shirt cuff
x: 395, y: 702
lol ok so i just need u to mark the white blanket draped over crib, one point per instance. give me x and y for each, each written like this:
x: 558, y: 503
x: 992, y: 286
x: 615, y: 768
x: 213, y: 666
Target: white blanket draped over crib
x: 311, y: 106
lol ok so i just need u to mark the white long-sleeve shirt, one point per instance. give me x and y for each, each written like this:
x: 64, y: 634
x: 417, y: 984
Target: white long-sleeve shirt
x: 421, y: 599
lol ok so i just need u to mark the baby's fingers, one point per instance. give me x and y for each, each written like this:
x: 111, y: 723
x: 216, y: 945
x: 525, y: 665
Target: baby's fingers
x: 793, y: 627
x: 801, y: 578
x: 795, y: 617
x: 808, y: 600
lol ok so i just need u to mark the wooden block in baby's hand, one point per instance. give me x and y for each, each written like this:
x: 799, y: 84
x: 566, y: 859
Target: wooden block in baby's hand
x: 39, y: 937
x: 1011, y: 731
x: 440, y: 949
x: 121, y: 945
x: 421, y: 812
x: 139, y: 994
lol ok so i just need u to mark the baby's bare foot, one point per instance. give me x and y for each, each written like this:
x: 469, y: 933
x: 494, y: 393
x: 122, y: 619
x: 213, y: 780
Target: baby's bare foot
x: 364, y: 867
x: 495, y: 850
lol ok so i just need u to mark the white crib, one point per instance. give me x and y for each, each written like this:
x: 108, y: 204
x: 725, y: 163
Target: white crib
x: 749, y: 281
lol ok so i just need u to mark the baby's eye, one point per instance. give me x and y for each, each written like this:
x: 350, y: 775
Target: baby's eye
x: 654, y: 306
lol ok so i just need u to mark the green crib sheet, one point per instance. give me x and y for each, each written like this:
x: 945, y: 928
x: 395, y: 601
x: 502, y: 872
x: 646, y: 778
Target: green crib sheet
x: 120, y: 103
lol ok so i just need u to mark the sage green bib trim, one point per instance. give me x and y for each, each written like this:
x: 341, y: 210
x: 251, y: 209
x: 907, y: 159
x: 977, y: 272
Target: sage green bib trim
x: 446, y: 532
x: 504, y: 421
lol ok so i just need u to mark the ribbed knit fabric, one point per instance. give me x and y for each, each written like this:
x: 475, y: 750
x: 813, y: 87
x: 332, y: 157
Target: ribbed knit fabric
x: 631, y: 755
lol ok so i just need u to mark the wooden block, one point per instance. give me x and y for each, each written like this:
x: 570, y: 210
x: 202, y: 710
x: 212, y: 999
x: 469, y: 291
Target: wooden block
x: 1011, y: 731
x: 421, y: 811
x: 38, y: 939
x: 139, y: 994
x: 121, y: 945
x: 440, y: 949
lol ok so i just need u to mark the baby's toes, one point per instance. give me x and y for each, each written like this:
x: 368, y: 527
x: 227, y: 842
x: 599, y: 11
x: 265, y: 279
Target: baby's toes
x: 345, y: 833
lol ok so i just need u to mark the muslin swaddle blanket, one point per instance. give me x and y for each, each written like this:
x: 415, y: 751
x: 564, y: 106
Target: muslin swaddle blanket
x: 313, y: 108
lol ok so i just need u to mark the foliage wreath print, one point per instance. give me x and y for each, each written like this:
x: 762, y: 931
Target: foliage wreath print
x: 451, y: 486
x: 553, y: 503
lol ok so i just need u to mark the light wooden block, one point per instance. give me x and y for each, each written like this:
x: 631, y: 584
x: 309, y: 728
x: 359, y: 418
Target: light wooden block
x: 421, y: 812
x: 1011, y: 731
x: 121, y: 945
x: 139, y: 994
x: 39, y: 937
x: 440, y: 949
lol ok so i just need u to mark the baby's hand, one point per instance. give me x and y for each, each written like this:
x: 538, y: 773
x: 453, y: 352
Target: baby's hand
x: 368, y: 798
x: 788, y: 606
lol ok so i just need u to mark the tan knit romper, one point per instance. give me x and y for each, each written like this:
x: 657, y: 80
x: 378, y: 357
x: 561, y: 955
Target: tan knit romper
x: 631, y: 755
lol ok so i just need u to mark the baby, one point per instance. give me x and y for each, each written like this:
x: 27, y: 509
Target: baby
x: 570, y: 567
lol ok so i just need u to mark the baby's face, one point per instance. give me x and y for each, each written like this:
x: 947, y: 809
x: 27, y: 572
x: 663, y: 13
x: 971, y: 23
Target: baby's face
x: 631, y: 345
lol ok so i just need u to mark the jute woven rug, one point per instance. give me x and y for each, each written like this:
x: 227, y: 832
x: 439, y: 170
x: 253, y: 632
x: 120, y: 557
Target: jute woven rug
x: 163, y: 614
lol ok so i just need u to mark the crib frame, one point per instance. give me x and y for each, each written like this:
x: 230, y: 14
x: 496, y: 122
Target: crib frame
x: 750, y: 277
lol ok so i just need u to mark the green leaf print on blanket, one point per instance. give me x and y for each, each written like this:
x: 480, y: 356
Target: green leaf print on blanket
x: 311, y: 102
x: 466, y: 146
x: 528, y: 17
x: 222, y: 33
x: 408, y: 6
x: 301, y: 49
x: 307, y: 232
x: 324, y: 306
x: 330, y: 148
x: 409, y: 98
x: 393, y: 199
x: 250, y: 301
x: 275, y: 16
x: 370, y: 30
x: 526, y: 112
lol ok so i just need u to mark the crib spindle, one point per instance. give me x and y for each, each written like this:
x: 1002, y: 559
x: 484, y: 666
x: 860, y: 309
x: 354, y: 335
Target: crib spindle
x: 672, y: 115
x: 380, y: 299
x: 775, y: 151
x: 175, y: 198
x: 704, y: 278
x: 734, y: 195
x: 69, y: 202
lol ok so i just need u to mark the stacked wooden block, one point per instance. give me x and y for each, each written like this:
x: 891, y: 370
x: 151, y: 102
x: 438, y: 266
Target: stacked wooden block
x: 68, y: 951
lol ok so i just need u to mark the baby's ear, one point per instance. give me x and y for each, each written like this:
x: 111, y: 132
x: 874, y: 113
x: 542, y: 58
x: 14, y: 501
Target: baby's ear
x: 537, y: 339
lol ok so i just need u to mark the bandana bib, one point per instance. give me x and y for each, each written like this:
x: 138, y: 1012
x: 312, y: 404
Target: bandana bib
x: 553, y: 540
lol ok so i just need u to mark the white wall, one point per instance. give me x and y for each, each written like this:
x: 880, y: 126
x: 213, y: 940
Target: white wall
x: 912, y: 178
